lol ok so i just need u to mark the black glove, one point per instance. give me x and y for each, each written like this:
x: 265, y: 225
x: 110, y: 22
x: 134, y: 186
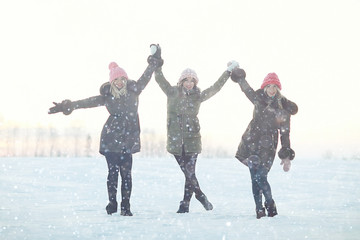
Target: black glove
x: 157, y: 62
x: 286, y: 152
x: 155, y: 57
x: 238, y: 74
x: 64, y: 107
x: 155, y: 50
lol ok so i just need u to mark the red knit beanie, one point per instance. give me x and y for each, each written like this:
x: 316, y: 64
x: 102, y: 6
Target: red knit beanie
x: 271, y: 78
x: 116, y: 72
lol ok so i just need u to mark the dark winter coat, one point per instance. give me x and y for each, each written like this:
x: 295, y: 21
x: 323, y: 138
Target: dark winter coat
x: 121, y: 131
x: 183, y: 128
x: 270, y: 116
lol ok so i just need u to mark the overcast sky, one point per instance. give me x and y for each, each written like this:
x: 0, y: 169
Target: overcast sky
x: 54, y: 50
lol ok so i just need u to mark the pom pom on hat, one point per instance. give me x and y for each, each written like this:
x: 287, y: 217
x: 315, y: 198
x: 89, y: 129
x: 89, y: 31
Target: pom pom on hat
x: 188, y: 73
x: 271, y: 78
x: 116, y: 72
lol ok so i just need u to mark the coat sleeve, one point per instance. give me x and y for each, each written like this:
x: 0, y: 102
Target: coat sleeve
x: 143, y: 80
x: 215, y: 88
x: 249, y: 91
x: 290, y: 109
x: 289, y: 106
x: 285, y: 130
x: 286, y: 152
x: 90, y: 102
x: 163, y: 83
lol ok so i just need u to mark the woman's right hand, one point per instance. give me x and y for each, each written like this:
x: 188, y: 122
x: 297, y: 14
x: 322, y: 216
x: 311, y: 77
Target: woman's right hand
x: 64, y: 107
x: 55, y: 109
x: 238, y: 74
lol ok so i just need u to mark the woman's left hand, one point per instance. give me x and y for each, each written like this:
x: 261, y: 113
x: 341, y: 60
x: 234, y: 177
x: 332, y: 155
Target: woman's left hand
x: 286, y: 164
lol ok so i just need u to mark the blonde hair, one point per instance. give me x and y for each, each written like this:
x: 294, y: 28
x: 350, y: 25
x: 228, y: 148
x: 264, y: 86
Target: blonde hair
x: 278, y: 95
x: 116, y: 92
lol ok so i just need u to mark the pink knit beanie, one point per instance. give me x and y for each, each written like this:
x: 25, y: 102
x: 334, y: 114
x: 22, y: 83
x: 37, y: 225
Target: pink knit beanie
x: 116, y: 72
x: 188, y: 73
x: 271, y: 78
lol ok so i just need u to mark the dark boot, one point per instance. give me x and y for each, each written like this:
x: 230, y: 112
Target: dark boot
x: 184, y: 207
x: 260, y: 213
x: 125, y: 209
x: 205, y: 202
x: 271, y: 208
x: 111, y: 208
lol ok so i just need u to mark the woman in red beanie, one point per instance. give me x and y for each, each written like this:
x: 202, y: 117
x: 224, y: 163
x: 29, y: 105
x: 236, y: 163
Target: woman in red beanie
x: 258, y: 144
x: 120, y: 136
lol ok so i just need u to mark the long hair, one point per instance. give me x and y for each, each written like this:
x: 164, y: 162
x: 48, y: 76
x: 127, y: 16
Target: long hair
x: 195, y: 88
x: 116, y: 92
x: 278, y: 95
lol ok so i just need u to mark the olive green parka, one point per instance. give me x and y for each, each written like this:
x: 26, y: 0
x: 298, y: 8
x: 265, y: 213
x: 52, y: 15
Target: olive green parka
x: 183, y: 128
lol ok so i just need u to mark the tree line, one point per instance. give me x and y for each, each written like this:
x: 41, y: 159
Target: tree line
x: 75, y: 141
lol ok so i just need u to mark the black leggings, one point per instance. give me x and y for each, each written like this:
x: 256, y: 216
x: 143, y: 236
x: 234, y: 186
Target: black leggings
x: 260, y: 185
x: 119, y: 162
x: 187, y: 165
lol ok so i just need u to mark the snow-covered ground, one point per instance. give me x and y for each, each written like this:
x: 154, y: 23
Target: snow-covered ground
x: 65, y: 198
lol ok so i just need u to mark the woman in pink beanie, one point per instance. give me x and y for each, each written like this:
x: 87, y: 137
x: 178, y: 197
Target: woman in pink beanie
x: 120, y: 136
x: 183, y: 127
x: 258, y: 144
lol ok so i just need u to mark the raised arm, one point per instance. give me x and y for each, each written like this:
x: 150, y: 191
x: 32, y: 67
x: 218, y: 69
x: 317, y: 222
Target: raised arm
x: 163, y: 83
x: 211, y: 91
x: 238, y: 75
x: 216, y: 87
x: 139, y: 85
x: 155, y: 61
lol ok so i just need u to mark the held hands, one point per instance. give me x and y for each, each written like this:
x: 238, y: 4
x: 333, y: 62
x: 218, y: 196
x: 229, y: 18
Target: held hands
x: 232, y: 65
x: 64, y: 107
x: 238, y: 74
x: 155, y: 56
x: 155, y: 50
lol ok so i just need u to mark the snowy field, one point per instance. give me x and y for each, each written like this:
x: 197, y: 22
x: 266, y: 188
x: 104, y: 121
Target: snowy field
x: 65, y: 198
